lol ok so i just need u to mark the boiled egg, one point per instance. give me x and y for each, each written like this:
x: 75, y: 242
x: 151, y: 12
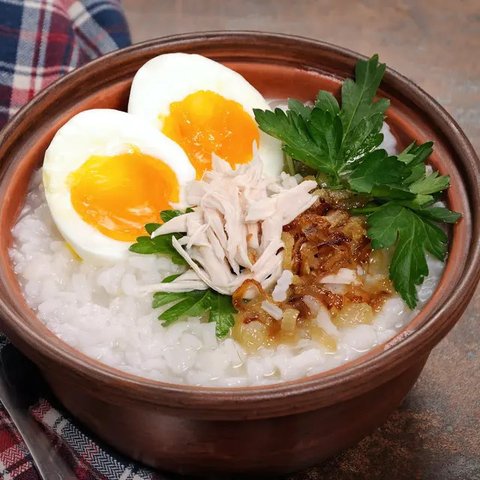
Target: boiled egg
x: 206, y: 108
x: 106, y: 174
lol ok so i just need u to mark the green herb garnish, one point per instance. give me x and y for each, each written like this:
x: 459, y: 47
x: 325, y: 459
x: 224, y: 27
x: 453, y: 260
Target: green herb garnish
x: 413, y: 235
x: 163, y: 243
x: 217, y: 307
x: 326, y: 138
x: 340, y: 146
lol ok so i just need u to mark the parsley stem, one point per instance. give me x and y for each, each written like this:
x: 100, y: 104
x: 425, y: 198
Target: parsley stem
x: 290, y: 165
x: 363, y: 211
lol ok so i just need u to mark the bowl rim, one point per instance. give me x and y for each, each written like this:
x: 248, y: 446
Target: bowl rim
x: 346, y: 380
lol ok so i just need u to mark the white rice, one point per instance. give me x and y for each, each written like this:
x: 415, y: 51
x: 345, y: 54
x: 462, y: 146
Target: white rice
x: 97, y: 310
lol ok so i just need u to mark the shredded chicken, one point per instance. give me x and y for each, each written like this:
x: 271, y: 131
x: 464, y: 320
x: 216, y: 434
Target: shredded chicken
x: 186, y: 282
x: 234, y: 232
x: 279, y: 293
x: 273, y: 310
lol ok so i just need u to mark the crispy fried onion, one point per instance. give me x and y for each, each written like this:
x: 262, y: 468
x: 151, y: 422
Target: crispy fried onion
x: 318, y: 244
x: 325, y: 240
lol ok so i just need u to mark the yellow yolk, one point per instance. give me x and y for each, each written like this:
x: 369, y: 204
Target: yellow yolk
x: 118, y: 195
x: 204, y: 122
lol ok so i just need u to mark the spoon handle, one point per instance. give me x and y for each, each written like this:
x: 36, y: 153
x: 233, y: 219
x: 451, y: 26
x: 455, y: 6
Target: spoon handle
x: 15, y: 372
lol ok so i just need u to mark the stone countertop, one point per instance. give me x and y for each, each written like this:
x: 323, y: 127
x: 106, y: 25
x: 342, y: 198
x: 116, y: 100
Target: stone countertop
x: 435, y: 434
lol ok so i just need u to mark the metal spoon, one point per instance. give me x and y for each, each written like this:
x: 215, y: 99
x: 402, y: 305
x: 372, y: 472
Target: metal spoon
x: 18, y: 379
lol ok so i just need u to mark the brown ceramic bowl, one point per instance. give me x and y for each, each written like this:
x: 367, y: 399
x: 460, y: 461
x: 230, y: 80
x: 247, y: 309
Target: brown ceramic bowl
x: 274, y: 429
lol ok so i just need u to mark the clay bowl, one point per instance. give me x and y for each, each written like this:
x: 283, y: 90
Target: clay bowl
x: 262, y: 430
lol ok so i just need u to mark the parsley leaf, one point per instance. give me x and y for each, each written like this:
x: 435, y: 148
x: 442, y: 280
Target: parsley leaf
x: 162, y: 244
x: 327, y: 102
x: 299, y: 108
x: 341, y: 145
x: 438, y: 214
x: 217, y: 307
x: 412, y: 236
x: 358, y: 95
x: 312, y: 141
x: 188, y: 304
x: 325, y: 137
x: 167, y: 215
x: 431, y: 183
x: 222, y: 313
x: 151, y: 227
x: 415, y: 157
x: 377, y: 169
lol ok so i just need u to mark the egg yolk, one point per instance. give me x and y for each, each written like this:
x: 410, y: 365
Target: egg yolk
x: 118, y: 195
x: 204, y: 122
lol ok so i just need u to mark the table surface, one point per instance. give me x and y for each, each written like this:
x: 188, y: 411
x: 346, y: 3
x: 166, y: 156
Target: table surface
x: 435, y: 434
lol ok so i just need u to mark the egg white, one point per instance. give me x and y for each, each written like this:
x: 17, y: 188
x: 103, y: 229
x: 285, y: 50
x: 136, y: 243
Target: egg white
x: 171, y: 77
x: 101, y: 132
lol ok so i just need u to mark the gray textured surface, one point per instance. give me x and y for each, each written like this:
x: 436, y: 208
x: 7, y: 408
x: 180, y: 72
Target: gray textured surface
x: 436, y: 433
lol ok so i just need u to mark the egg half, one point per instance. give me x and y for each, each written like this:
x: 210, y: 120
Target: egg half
x: 106, y: 174
x: 206, y: 108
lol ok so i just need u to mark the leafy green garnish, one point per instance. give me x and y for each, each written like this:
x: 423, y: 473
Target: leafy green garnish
x: 340, y: 145
x: 151, y: 227
x: 217, y: 307
x: 167, y: 215
x: 325, y: 137
x: 362, y: 118
x: 377, y: 169
x: 412, y: 236
x: 222, y: 313
x: 302, y: 138
x: 438, y: 214
x: 162, y: 244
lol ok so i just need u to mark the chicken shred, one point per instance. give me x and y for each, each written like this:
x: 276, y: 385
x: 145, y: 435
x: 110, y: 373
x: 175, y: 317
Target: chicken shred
x: 234, y: 232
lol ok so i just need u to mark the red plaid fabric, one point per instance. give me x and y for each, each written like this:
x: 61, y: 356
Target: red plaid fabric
x: 41, y: 40
x: 15, y: 460
x: 89, y: 459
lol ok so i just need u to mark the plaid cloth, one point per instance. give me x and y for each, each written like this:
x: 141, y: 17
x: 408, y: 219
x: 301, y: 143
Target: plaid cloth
x: 87, y: 457
x: 41, y: 40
